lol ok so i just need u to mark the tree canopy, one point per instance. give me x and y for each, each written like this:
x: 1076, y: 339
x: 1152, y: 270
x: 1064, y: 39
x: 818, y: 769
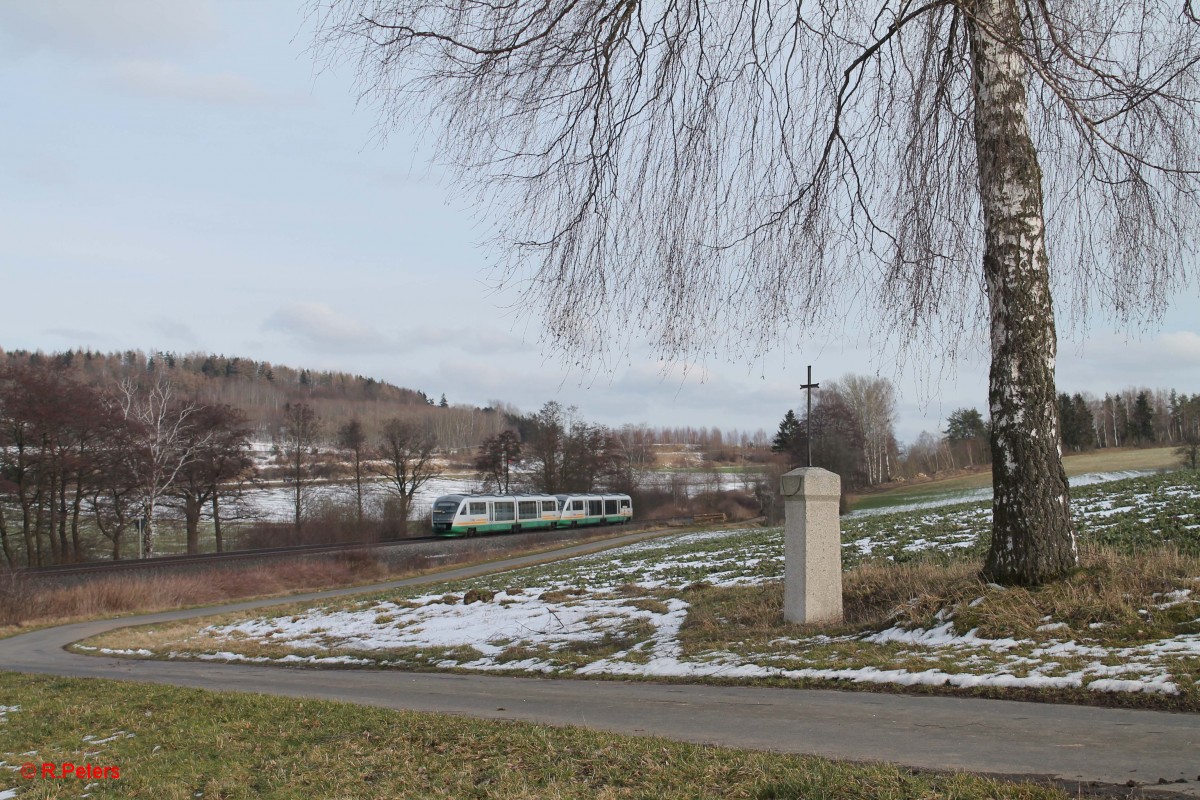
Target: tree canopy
x: 723, y: 172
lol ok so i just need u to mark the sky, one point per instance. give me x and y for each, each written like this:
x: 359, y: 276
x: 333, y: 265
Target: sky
x: 179, y: 175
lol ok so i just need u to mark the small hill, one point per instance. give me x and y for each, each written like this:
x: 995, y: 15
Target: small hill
x: 261, y: 389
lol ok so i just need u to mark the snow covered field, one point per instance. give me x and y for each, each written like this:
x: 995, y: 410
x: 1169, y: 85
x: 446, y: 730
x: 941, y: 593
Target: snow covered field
x: 276, y: 503
x: 656, y: 609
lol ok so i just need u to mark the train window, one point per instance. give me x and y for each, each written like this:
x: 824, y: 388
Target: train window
x: 527, y: 509
x: 610, y: 507
x: 594, y: 508
x: 502, y: 512
x: 549, y: 506
x: 478, y: 508
x: 577, y: 505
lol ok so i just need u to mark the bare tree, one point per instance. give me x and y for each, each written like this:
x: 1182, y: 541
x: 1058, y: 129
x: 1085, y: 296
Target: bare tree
x: 744, y: 173
x: 223, y: 457
x: 114, y: 499
x: 297, y: 437
x: 406, y: 452
x: 51, y: 430
x: 633, y: 458
x: 495, y: 458
x: 545, y: 435
x: 164, y: 445
x: 873, y: 401
x: 353, y: 437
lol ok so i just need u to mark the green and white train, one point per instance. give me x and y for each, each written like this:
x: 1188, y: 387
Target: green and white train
x: 473, y: 514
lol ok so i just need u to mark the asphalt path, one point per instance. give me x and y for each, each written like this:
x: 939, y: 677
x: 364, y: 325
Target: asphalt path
x: 1157, y: 751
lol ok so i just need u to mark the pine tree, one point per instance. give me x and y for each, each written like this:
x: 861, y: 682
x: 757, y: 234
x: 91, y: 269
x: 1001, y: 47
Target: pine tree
x: 1143, y: 419
x: 1084, y: 424
x: 790, y: 435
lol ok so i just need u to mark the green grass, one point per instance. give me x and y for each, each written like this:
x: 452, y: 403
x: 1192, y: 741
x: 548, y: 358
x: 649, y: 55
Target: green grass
x: 179, y: 744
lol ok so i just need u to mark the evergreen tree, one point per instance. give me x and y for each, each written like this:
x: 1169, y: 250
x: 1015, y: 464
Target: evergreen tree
x: 1085, y: 423
x: 965, y: 424
x: 1143, y: 419
x: 789, y: 439
x: 1066, y: 422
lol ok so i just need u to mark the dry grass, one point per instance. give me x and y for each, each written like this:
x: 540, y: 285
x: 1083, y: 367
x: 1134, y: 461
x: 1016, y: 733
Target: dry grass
x: 1123, y: 594
x: 877, y: 594
x: 1118, y: 592
x: 718, y: 614
x: 23, y: 603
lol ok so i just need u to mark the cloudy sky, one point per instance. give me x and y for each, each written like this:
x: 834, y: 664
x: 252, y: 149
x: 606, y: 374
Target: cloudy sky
x: 178, y: 176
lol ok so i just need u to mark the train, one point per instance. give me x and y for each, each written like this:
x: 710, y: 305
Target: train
x: 474, y: 514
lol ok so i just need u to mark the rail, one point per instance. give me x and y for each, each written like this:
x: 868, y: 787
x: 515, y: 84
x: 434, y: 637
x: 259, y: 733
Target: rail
x: 233, y: 556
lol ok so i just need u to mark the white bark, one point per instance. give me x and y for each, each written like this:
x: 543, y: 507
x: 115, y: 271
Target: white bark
x: 162, y: 424
x: 1033, y: 535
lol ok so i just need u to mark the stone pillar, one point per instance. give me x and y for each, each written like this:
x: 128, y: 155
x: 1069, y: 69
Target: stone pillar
x: 812, y: 586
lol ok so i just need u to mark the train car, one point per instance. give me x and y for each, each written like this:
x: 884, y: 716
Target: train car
x: 473, y: 514
x: 594, y: 509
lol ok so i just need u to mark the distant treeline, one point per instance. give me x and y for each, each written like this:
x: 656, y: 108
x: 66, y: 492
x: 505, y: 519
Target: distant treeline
x: 262, y: 390
x: 1134, y: 417
x: 852, y: 431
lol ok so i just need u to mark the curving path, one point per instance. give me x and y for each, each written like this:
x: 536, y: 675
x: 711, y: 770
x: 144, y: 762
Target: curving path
x: 1068, y: 743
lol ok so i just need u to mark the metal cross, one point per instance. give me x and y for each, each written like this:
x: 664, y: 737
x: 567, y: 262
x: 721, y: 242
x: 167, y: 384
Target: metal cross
x: 808, y: 387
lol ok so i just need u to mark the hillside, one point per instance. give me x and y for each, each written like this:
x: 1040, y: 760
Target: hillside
x: 261, y: 389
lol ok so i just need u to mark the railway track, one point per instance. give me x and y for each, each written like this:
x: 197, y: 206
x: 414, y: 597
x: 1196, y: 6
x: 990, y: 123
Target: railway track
x: 230, y: 556
x: 272, y: 553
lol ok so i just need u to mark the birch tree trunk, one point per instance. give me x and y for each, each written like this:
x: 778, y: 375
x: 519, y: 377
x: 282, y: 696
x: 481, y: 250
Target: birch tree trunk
x: 1033, y: 538
x: 148, y: 529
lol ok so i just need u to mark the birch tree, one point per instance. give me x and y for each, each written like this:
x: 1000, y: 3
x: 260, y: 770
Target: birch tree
x: 714, y: 175
x: 873, y: 401
x: 299, y: 430
x: 163, y: 445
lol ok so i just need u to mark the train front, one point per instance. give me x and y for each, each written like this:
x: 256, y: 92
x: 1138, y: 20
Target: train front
x: 445, y: 508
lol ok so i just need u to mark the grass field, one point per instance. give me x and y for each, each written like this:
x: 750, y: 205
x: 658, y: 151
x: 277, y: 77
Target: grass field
x: 1131, y: 615
x: 1123, y: 630
x: 179, y: 744
x: 1107, y: 460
